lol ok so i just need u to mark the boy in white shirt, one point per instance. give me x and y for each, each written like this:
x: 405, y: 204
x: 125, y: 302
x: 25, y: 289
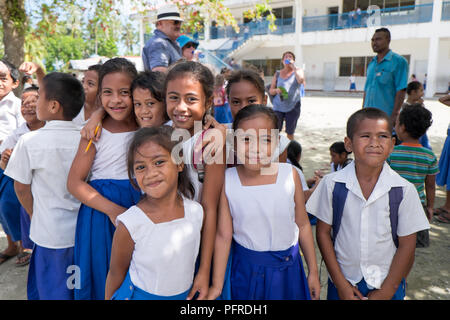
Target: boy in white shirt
x: 40, y: 165
x: 367, y: 237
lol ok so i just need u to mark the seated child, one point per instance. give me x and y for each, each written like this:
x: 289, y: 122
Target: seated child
x: 368, y: 216
x: 339, y: 156
x: 414, y: 162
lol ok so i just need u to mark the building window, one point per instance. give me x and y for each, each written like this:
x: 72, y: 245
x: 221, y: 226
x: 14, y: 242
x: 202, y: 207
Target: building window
x: 358, y: 65
x: 268, y: 66
x: 350, y: 5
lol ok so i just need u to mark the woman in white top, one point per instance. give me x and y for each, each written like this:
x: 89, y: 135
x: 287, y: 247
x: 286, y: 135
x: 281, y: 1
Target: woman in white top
x: 156, y: 242
x: 262, y: 209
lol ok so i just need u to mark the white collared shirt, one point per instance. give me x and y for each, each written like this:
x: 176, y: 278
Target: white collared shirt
x: 79, y: 120
x: 10, y: 115
x: 364, y: 246
x: 12, y: 139
x: 43, y: 159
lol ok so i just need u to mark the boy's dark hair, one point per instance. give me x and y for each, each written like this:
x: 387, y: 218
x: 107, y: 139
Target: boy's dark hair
x: 339, y: 147
x: 116, y: 65
x: 95, y: 67
x: 30, y: 88
x: 413, y: 85
x: 195, y: 70
x: 154, y: 82
x: 366, y: 113
x: 416, y: 119
x: 250, y: 76
x: 65, y: 89
x: 251, y: 111
x: 13, y: 71
x: 161, y: 136
x: 25, y: 78
x: 294, y: 149
x: 386, y: 31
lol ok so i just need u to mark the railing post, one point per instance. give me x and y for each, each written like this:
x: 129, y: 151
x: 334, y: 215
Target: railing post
x: 433, y: 51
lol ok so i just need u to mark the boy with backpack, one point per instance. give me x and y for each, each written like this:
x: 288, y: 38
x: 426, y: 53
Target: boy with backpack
x: 368, y: 216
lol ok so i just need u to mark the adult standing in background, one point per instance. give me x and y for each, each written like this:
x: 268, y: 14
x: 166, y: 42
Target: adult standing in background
x: 162, y: 49
x: 285, y: 88
x: 387, y: 77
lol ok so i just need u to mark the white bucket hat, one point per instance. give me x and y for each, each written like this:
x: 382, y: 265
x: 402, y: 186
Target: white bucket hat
x: 168, y: 12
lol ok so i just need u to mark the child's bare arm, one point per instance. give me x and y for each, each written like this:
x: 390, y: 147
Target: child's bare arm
x: 31, y: 67
x: 401, y: 265
x: 345, y: 290
x: 212, y: 186
x: 121, y: 253
x: 76, y: 184
x: 306, y: 239
x: 24, y: 195
x: 6, y: 154
x: 222, y: 247
x: 430, y: 190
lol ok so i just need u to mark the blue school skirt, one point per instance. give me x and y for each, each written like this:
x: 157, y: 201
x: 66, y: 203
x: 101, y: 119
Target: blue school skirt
x: 47, y: 275
x: 223, y: 113
x: 9, y: 208
x: 93, y: 237
x: 25, y: 222
x: 332, y: 293
x: 268, y: 275
x: 443, y: 177
x: 128, y: 291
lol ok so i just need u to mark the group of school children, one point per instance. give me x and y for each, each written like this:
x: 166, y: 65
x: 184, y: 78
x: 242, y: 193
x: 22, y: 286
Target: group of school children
x: 135, y: 192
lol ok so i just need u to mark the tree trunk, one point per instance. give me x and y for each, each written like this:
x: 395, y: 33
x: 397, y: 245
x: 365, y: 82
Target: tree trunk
x: 14, y: 25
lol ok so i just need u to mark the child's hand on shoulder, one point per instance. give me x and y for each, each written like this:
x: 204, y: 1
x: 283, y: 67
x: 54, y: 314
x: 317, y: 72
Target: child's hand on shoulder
x: 90, y: 131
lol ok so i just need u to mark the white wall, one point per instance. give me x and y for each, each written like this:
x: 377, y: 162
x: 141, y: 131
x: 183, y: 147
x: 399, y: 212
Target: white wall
x: 443, y: 72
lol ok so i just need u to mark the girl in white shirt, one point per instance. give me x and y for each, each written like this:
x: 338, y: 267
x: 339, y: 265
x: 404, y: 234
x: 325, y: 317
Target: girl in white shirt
x: 262, y: 209
x: 109, y: 192
x: 156, y: 242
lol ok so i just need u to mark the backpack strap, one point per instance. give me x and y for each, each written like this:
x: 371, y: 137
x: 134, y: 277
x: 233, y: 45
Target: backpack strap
x: 340, y: 192
x: 395, y: 197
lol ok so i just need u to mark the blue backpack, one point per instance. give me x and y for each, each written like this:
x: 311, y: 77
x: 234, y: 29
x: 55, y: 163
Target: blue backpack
x: 340, y: 195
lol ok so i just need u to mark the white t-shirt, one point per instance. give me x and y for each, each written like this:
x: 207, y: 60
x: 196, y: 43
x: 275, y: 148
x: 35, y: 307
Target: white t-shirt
x: 110, y: 160
x: 43, y: 159
x: 263, y: 215
x: 364, y: 246
x: 12, y: 139
x: 164, y: 256
x: 79, y: 120
x: 10, y: 115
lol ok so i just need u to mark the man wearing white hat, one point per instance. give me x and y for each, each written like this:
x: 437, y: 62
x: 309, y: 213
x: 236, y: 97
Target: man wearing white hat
x: 162, y: 49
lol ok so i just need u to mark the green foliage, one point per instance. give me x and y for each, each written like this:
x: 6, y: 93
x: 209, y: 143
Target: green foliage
x: 63, y: 48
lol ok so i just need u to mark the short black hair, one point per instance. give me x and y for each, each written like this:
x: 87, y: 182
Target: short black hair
x: 416, y: 119
x: 251, y: 111
x: 95, y: 67
x: 386, y: 31
x: 413, y: 85
x: 339, y: 147
x: 13, y: 71
x: 30, y: 88
x: 366, y: 113
x: 65, y: 89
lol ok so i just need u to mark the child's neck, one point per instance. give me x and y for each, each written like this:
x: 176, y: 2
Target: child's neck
x: 34, y: 125
x: 410, y: 140
x: 367, y: 177
x: 116, y: 126
x: 411, y: 100
x: 89, y: 108
x: 162, y: 209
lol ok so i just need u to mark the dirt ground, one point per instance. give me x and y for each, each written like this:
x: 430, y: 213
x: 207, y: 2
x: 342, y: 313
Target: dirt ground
x: 322, y: 122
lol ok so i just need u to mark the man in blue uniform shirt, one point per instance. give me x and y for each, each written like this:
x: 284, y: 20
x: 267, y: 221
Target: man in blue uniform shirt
x: 387, y: 77
x: 162, y: 49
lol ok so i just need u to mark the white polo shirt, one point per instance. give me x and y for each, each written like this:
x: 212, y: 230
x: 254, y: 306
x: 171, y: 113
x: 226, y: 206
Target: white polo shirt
x: 10, y: 115
x: 364, y: 245
x: 12, y: 139
x: 43, y: 159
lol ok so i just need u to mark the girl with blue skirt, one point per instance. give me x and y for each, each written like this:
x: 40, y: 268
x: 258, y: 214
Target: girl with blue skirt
x: 156, y: 243
x: 262, y: 217
x: 108, y: 193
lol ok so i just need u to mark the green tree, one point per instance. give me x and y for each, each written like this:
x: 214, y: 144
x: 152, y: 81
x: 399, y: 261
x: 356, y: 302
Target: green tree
x: 63, y: 48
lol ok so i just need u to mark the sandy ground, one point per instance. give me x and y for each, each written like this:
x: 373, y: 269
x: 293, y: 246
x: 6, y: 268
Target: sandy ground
x: 322, y: 122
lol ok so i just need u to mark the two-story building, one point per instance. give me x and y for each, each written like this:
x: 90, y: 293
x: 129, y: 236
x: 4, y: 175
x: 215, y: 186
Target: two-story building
x: 331, y: 39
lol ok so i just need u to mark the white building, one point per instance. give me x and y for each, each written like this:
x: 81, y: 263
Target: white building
x: 331, y: 44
